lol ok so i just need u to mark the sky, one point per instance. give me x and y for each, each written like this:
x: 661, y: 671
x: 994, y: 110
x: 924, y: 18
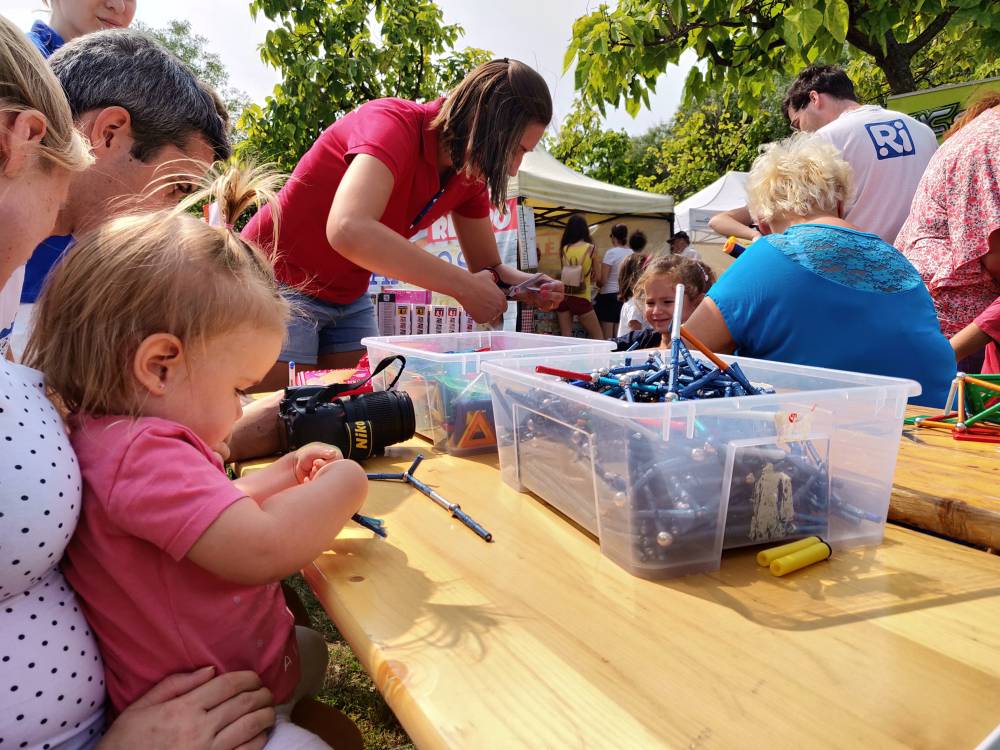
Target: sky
x: 512, y: 28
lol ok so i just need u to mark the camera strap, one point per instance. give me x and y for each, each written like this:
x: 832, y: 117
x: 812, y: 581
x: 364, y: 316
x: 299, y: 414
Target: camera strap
x: 335, y: 389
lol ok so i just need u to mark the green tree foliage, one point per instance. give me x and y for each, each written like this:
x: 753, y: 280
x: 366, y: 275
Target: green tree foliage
x: 607, y: 155
x: 701, y: 142
x: 708, y: 139
x: 620, y: 52
x: 193, y: 50
x: 947, y: 59
x: 336, y: 56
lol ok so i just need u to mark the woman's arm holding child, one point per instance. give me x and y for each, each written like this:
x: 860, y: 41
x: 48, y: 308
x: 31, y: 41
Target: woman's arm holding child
x: 254, y: 544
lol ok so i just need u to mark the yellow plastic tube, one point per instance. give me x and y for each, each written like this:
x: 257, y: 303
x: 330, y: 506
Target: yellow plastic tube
x: 767, y: 556
x: 802, y: 558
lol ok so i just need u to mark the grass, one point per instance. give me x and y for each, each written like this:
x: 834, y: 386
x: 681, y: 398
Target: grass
x: 348, y: 686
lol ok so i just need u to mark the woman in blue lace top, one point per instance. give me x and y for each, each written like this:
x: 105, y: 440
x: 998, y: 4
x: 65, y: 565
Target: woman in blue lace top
x: 816, y: 291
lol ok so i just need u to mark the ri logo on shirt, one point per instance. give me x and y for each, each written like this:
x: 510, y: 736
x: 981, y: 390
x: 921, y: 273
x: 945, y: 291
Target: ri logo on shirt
x: 891, y: 139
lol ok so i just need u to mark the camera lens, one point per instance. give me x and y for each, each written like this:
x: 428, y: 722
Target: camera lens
x: 390, y: 414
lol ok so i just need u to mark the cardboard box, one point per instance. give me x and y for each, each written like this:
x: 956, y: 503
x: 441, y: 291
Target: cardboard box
x: 453, y: 319
x: 385, y: 312
x: 439, y: 318
x: 403, y: 312
x: 420, y: 319
x: 467, y: 325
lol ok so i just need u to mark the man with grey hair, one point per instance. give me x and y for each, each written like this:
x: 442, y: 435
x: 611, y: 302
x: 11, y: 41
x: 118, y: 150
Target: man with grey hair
x: 153, y: 128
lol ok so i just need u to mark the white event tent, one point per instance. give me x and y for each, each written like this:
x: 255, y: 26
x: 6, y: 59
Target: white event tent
x: 553, y: 191
x: 692, y: 214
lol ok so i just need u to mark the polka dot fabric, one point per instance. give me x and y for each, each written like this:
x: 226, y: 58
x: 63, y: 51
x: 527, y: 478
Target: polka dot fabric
x: 51, y: 676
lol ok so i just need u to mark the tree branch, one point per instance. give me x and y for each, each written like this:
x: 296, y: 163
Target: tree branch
x: 933, y: 29
x: 856, y: 37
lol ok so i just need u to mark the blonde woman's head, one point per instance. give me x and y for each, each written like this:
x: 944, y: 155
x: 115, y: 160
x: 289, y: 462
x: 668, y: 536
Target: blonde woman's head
x: 798, y: 177
x: 39, y: 147
x: 147, y: 305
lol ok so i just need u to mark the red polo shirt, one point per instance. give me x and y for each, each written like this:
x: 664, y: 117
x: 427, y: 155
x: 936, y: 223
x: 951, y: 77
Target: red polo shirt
x: 396, y: 132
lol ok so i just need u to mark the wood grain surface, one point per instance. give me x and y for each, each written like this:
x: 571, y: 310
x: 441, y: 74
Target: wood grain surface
x: 538, y: 641
x: 947, y: 486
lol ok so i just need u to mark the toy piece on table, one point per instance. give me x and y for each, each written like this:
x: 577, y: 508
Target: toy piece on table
x: 971, y: 412
x: 454, y: 508
x: 732, y: 248
x: 375, y: 525
x: 802, y: 558
x: 768, y: 556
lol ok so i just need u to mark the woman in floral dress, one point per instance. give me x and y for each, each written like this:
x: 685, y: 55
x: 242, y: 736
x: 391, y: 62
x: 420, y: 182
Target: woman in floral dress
x: 952, y: 235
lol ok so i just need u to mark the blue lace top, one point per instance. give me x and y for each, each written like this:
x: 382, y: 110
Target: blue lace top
x: 827, y: 296
x: 855, y: 259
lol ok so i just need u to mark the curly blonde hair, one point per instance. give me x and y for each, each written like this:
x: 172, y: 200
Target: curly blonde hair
x: 796, y: 177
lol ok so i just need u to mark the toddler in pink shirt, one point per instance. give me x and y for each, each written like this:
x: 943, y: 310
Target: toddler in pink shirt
x: 149, y: 332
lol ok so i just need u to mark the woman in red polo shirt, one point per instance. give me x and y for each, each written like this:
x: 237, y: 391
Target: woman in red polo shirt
x: 379, y: 175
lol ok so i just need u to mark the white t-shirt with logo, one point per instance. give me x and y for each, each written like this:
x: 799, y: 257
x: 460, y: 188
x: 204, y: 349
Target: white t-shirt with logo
x: 10, y: 299
x: 613, y: 257
x: 888, y: 152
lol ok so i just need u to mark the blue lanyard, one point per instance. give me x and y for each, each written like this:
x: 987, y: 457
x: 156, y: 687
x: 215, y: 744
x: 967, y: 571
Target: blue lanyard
x: 430, y: 204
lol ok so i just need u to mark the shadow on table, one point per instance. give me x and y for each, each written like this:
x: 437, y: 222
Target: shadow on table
x: 406, y: 615
x: 856, y: 585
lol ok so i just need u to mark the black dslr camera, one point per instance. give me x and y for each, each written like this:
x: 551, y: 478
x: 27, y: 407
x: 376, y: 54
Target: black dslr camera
x: 360, y: 425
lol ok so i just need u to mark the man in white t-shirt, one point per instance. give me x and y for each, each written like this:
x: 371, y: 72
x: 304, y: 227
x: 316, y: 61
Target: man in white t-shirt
x: 888, y: 151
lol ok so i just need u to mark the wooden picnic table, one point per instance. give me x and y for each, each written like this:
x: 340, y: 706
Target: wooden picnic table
x: 947, y: 486
x: 538, y: 641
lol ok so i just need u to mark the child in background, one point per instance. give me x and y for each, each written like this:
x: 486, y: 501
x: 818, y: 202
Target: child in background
x: 631, y: 318
x: 656, y: 289
x: 984, y: 331
x: 149, y: 331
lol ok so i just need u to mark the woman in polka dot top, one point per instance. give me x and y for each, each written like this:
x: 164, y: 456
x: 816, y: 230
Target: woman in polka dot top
x: 52, y: 691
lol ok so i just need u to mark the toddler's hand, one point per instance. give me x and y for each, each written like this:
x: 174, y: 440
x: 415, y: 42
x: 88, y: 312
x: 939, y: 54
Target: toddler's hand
x: 309, y: 459
x: 222, y: 451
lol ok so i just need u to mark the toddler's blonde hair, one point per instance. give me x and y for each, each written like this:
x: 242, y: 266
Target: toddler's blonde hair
x: 159, y: 272
x: 697, y: 277
x: 27, y: 83
x: 799, y: 176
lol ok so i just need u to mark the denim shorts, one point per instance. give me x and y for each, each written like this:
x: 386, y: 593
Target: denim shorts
x: 320, y: 327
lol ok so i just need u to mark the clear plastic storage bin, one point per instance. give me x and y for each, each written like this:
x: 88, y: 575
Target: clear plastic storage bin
x: 442, y: 375
x: 666, y: 487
